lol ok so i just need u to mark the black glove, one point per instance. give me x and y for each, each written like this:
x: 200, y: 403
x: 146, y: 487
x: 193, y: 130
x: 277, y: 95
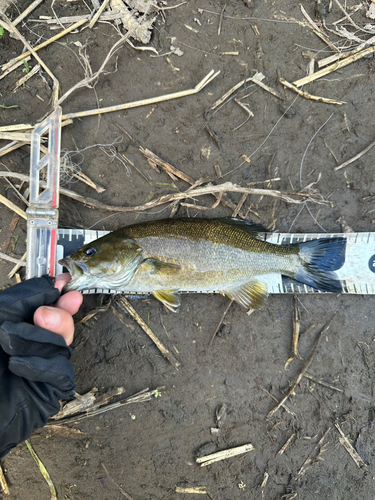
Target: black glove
x: 35, y: 371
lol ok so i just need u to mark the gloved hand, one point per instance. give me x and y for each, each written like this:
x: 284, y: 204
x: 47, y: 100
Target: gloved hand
x: 35, y: 371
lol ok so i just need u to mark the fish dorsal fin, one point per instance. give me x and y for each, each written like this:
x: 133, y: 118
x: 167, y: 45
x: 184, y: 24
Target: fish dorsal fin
x: 168, y: 298
x: 250, y: 227
x: 250, y: 295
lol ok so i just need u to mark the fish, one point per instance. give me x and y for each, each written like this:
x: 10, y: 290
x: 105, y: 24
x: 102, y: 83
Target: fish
x: 223, y: 255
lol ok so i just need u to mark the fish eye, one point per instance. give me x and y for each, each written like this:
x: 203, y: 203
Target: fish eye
x: 90, y: 251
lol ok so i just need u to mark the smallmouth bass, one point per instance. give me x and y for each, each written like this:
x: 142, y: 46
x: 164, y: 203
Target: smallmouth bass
x: 168, y: 256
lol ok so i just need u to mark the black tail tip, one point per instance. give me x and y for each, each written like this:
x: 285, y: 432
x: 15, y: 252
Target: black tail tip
x: 321, y: 258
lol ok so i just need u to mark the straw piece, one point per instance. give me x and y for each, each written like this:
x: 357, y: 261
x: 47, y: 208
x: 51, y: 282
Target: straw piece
x: 334, y: 67
x: 98, y: 14
x: 12, y: 206
x: 197, y: 490
x: 296, y: 320
x: 309, y: 96
x: 27, y: 11
x: 18, y: 144
x: 341, y: 55
x: 350, y: 449
x: 20, y: 264
x: 348, y: 17
x: 18, y: 127
x: 98, y: 409
x: 282, y: 450
x: 356, y: 157
x: 23, y: 56
x: 133, y: 313
x: 86, y: 180
x: 229, y: 93
x: 165, y: 165
x: 11, y: 147
x: 27, y: 77
x: 313, y: 455
x: 43, y: 471
x: 145, y: 102
x: 310, y: 377
x: 303, y: 370
x: 55, y: 91
x: 3, y: 482
x: 318, y: 31
x: 107, y: 16
x: 4, y: 256
x: 222, y: 455
x: 15, y: 136
x: 258, y: 82
x: 121, y: 490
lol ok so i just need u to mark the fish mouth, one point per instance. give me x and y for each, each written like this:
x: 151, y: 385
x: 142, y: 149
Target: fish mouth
x: 74, y: 267
x: 78, y: 271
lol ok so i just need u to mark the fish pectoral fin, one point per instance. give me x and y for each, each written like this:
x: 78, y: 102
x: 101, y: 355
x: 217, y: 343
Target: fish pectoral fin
x: 156, y: 265
x: 251, y: 295
x: 168, y: 298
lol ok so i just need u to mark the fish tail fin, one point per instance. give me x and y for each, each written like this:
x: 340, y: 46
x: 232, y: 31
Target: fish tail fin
x: 320, y: 258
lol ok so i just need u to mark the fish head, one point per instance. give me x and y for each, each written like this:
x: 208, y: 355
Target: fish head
x: 108, y: 262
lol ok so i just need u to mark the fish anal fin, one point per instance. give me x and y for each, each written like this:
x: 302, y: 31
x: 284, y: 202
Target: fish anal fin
x: 168, y: 298
x: 251, y: 295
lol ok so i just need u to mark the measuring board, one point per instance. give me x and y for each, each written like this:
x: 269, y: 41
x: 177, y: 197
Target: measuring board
x: 357, y: 273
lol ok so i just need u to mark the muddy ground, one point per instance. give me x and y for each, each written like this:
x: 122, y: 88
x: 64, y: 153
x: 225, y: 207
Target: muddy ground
x: 150, y: 448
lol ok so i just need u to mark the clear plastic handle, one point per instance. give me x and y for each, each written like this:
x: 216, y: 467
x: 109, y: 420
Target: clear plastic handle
x: 43, y: 213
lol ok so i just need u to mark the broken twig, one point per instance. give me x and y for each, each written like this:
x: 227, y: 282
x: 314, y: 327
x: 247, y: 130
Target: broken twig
x: 220, y: 322
x: 298, y: 198
x: 350, y: 449
x: 133, y: 313
x: 296, y: 326
x: 309, y: 96
x: 324, y: 384
x: 313, y: 455
x: 304, y: 369
x: 356, y: 157
x: 115, y: 484
x: 144, y: 102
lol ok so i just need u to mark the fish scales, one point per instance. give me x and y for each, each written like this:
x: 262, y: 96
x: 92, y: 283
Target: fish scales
x: 213, y: 255
x: 201, y: 255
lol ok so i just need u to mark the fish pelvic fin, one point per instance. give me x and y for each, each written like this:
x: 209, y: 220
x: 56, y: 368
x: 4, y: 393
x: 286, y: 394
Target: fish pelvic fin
x: 251, y: 295
x: 168, y: 298
x: 320, y: 258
